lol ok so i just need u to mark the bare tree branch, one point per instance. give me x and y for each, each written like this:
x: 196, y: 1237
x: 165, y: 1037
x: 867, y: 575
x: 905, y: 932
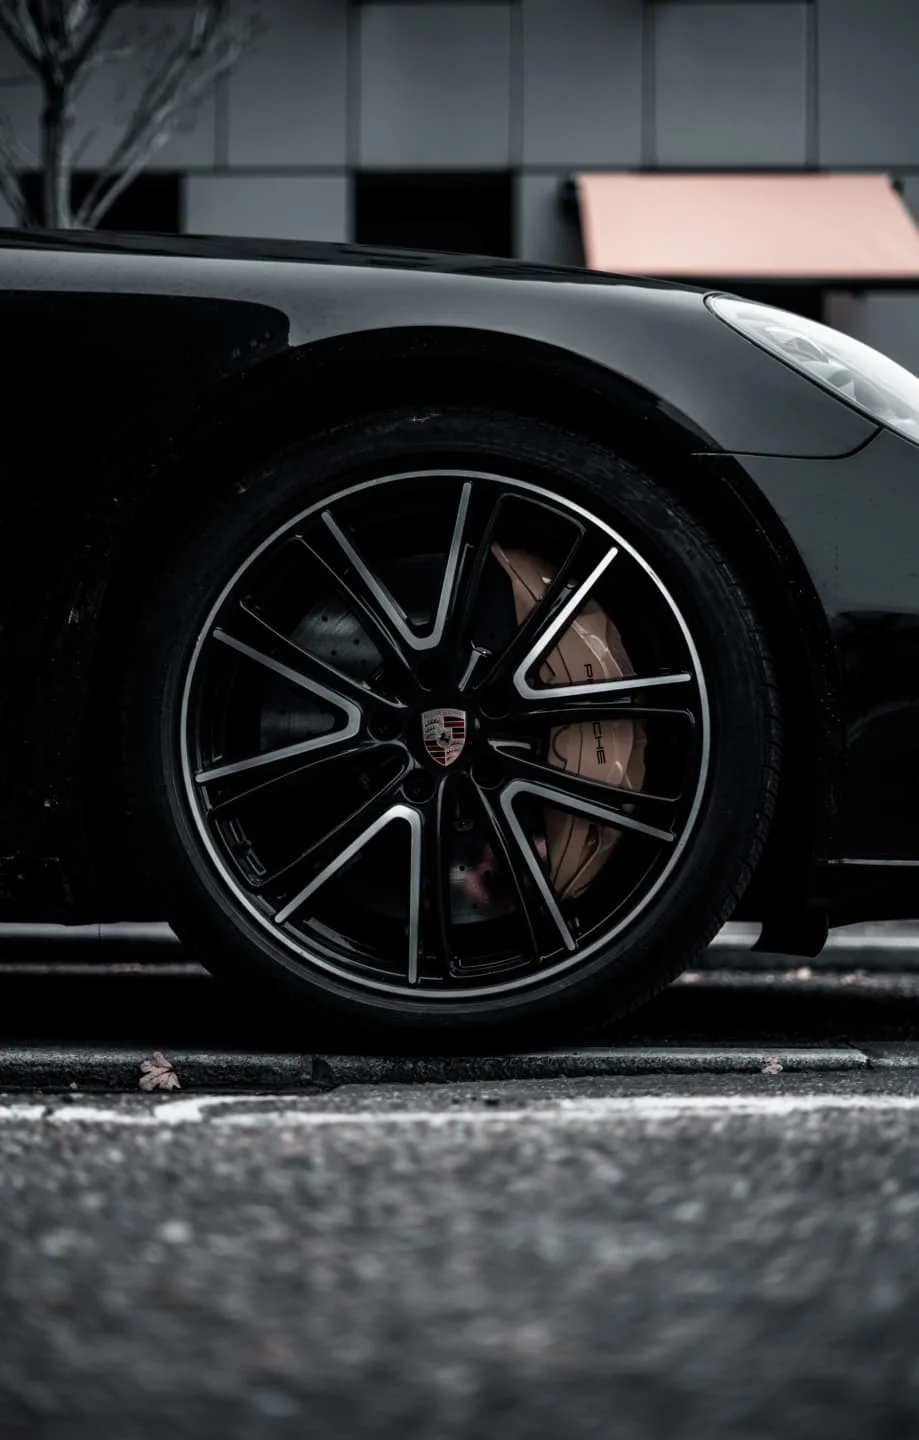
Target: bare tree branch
x: 47, y: 17
x: 60, y: 41
x: 55, y: 38
x: 211, y: 47
x: 17, y: 25
x: 90, y: 22
x: 111, y: 55
x: 10, y: 183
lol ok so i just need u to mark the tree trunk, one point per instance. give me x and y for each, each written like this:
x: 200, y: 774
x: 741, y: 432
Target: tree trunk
x: 55, y: 124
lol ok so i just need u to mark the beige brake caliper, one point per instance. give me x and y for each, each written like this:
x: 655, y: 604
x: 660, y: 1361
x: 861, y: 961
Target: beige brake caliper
x: 612, y: 751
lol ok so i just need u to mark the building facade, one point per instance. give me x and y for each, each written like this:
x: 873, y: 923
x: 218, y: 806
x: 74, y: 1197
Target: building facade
x: 456, y: 123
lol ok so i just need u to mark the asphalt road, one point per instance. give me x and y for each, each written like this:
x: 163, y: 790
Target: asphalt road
x: 645, y: 1255
x: 632, y: 1258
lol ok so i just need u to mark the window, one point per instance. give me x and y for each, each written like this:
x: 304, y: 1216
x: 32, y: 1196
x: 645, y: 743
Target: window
x: 152, y: 203
x: 445, y: 211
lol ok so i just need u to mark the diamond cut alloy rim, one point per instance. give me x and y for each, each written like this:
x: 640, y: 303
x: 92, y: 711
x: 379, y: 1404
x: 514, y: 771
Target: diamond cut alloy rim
x: 435, y: 669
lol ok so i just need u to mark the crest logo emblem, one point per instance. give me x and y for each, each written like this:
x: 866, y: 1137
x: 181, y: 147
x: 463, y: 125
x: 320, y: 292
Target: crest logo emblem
x: 444, y: 734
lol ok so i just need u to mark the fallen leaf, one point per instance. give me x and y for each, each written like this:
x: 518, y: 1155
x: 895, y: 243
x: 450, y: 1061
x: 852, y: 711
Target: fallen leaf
x: 158, y: 1073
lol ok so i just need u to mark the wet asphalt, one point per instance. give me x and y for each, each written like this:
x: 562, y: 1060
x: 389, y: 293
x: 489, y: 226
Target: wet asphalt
x: 611, y: 1255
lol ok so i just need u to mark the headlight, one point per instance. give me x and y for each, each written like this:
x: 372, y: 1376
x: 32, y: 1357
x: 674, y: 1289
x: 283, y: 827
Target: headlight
x: 869, y: 380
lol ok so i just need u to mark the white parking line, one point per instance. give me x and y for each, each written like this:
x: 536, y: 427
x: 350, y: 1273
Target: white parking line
x: 194, y: 1110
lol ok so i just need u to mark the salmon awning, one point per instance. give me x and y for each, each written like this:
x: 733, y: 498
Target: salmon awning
x: 821, y: 228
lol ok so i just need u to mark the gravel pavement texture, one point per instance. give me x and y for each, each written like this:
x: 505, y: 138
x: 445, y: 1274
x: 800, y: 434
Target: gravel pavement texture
x: 730, y: 1256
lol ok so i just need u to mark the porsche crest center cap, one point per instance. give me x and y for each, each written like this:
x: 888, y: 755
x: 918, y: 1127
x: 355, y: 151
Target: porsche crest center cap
x: 444, y: 734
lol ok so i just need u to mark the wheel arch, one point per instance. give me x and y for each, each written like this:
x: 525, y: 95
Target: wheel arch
x: 375, y: 370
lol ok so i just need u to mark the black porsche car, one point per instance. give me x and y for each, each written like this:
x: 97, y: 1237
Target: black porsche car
x: 458, y: 643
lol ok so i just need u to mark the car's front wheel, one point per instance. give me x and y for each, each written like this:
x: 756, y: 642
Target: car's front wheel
x: 451, y: 721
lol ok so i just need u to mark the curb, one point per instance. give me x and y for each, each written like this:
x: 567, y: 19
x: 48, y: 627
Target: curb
x: 62, y: 1069
x: 871, y: 945
x: 587, y: 1063
x: 841, y: 961
x: 892, y: 1055
x: 900, y: 954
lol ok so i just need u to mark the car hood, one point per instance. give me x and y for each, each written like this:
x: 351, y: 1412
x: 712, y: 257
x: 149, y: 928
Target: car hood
x: 312, y: 252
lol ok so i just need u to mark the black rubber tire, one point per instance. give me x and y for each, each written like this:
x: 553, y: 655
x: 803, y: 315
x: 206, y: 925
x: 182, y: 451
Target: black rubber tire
x: 744, y: 703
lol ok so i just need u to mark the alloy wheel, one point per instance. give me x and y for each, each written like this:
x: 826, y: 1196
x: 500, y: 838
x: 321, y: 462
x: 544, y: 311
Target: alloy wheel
x: 368, y: 732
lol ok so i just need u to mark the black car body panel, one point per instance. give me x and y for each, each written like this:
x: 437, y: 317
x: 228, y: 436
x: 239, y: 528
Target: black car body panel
x: 138, y: 368
x: 855, y: 525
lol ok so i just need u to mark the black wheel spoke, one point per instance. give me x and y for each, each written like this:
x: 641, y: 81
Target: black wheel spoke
x: 589, y: 797
x: 428, y: 890
x: 291, y: 763
x: 461, y: 603
x: 360, y: 590
x: 547, y: 697
x: 537, y: 907
x: 519, y: 766
x: 549, y: 617
x: 255, y: 638
x: 560, y: 708
x: 333, y: 851
x: 379, y: 597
